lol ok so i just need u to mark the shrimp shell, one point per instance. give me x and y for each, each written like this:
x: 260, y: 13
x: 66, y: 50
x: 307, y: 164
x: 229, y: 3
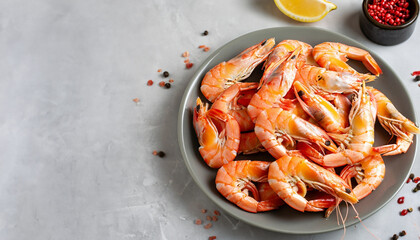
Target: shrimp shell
x: 225, y: 74
x: 234, y: 182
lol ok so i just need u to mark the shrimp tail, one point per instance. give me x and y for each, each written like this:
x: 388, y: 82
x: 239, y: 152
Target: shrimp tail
x: 371, y: 65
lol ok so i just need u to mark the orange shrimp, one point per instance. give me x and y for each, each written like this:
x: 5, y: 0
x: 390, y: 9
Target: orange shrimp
x: 227, y: 102
x: 394, y: 123
x: 288, y: 176
x: 325, y: 82
x: 249, y: 144
x: 238, y: 68
x: 280, y: 54
x: 234, y: 182
x: 368, y: 173
x: 278, y: 130
x: 360, y: 137
x: 333, y: 56
x: 321, y: 110
x: 218, y: 135
x: 268, y: 197
x: 276, y: 87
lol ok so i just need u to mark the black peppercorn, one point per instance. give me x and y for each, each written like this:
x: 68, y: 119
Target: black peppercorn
x: 411, y: 176
x: 403, y: 233
x: 205, y: 33
x: 161, y: 154
x: 167, y: 85
x: 165, y: 74
x: 394, y: 237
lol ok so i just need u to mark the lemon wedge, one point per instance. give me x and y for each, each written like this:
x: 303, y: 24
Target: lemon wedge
x: 305, y: 10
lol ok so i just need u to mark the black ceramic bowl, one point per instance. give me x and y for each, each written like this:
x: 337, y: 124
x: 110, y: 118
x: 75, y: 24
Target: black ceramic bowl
x: 386, y: 34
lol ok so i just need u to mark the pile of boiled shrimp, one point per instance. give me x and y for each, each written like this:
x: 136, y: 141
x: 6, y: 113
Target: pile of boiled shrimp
x: 312, y: 112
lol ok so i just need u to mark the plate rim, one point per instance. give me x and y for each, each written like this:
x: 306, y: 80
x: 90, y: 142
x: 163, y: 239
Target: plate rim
x: 181, y: 118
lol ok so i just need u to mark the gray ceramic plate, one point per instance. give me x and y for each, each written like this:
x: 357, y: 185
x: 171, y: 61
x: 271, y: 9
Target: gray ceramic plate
x: 285, y: 219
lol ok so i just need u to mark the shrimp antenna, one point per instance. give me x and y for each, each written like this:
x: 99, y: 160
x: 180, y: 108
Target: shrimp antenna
x: 360, y: 220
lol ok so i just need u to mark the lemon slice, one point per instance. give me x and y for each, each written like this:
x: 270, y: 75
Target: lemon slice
x: 305, y: 10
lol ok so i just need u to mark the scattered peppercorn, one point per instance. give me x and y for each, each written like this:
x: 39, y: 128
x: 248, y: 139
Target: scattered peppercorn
x: 161, y: 154
x: 208, y: 218
x: 171, y: 80
x: 394, y: 237
x: 416, y: 179
x: 198, y: 221
x: 136, y: 100
x: 165, y: 74
x: 203, y: 210
x: 409, y: 209
x: 167, y: 85
x: 327, y: 143
x: 415, y: 189
x: 403, y: 212
x: 206, y: 49
x: 186, y: 54
x: 162, y: 84
x: 202, y: 46
x: 411, y: 176
x: 415, y: 73
x: 215, y: 218
x: 208, y: 225
x: 400, y: 200
x: 403, y: 233
x: 212, y: 237
x: 205, y: 33
x: 217, y: 213
x: 159, y: 70
x: 150, y: 83
x: 408, y: 180
x: 189, y: 65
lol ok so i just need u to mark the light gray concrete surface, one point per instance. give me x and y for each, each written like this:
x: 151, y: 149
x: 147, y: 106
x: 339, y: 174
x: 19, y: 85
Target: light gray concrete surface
x: 76, y: 151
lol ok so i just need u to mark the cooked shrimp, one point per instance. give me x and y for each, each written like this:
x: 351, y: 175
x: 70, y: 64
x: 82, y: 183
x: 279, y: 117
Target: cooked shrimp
x: 324, y: 82
x: 250, y: 144
x: 394, y: 123
x: 321, y: 110
x: 360, y: 137
x: 268, y: 197
x: 295, y: 108
x: 278, y: 130
x: 238, y: 68
x: 234, y: 182
x: 401, y: 146
x: 333, y: 56
x: 275, y: 88
x: 289, y: 173
x: 227, y: 102
x: 218, y: 135
x: 368, y: 173
x: 280, y: 53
